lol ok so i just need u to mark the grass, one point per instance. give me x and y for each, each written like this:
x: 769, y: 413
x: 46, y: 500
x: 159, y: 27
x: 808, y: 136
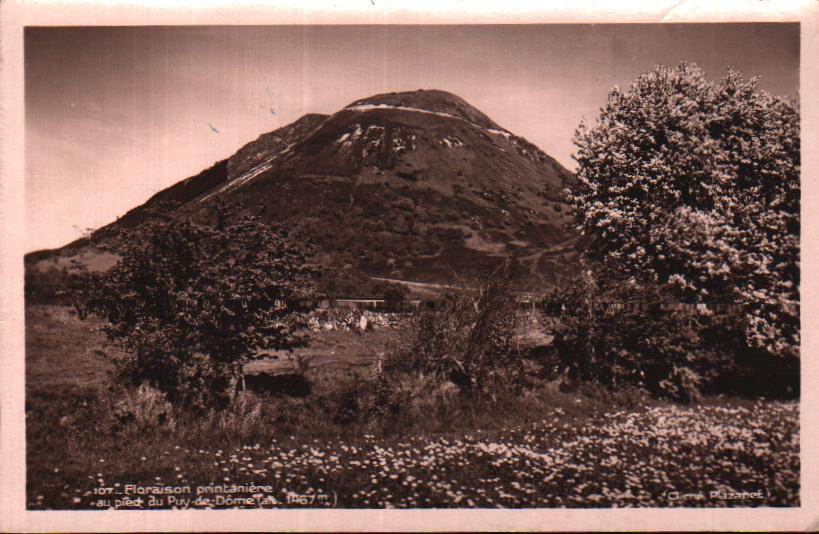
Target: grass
x: 542, y: 448
x: 62, y: 351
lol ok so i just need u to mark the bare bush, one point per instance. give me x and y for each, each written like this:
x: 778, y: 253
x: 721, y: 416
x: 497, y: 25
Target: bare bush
x: 466, y: 338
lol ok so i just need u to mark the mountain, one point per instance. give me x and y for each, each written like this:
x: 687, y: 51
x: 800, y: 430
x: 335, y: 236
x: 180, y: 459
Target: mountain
x: 414, y: 186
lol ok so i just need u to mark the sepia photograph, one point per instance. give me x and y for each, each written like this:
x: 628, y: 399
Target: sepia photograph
x: 412, y: 266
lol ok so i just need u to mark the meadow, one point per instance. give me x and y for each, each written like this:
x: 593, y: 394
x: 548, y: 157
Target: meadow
x: 306, y: 447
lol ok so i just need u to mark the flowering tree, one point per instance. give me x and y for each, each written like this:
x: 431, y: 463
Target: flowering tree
x: 695, y: 185
x: 192, y: 303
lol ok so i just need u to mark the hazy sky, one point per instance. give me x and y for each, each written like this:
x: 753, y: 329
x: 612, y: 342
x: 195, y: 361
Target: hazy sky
x: 115, y: 114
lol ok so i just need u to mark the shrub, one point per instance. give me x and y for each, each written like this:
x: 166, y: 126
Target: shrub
x: 624, y: 334
x: 142, y: 408
x: 466, y: 338
x: 394, y: 296
x: 53, y: 285
x: 352, y: 283
x: 191, y: 304
x: 395, y: 402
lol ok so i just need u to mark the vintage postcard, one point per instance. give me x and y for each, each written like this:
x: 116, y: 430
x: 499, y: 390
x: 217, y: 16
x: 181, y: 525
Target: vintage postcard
x: 397, y: 266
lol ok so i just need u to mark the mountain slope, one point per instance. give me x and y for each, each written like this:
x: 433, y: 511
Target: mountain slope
x: 417, y: 185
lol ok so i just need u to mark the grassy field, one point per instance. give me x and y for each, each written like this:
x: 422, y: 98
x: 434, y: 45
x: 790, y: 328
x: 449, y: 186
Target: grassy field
x: 543, y: 448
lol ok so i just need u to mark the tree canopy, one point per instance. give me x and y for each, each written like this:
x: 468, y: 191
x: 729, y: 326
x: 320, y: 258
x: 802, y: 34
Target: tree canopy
x: 191, y: 303
x: 695, y: 185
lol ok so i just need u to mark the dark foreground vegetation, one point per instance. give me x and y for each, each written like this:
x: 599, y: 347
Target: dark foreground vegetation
x: 349, y: 439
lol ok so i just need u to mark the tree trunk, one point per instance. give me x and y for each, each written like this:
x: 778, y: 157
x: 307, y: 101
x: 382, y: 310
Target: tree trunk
x: 237, y: 381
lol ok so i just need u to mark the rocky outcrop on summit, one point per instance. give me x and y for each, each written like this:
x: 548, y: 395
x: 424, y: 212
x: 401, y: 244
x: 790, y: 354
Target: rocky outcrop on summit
x: 433, y: 101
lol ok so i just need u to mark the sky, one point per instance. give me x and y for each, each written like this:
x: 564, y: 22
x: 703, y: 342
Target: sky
x: 115, y: 114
